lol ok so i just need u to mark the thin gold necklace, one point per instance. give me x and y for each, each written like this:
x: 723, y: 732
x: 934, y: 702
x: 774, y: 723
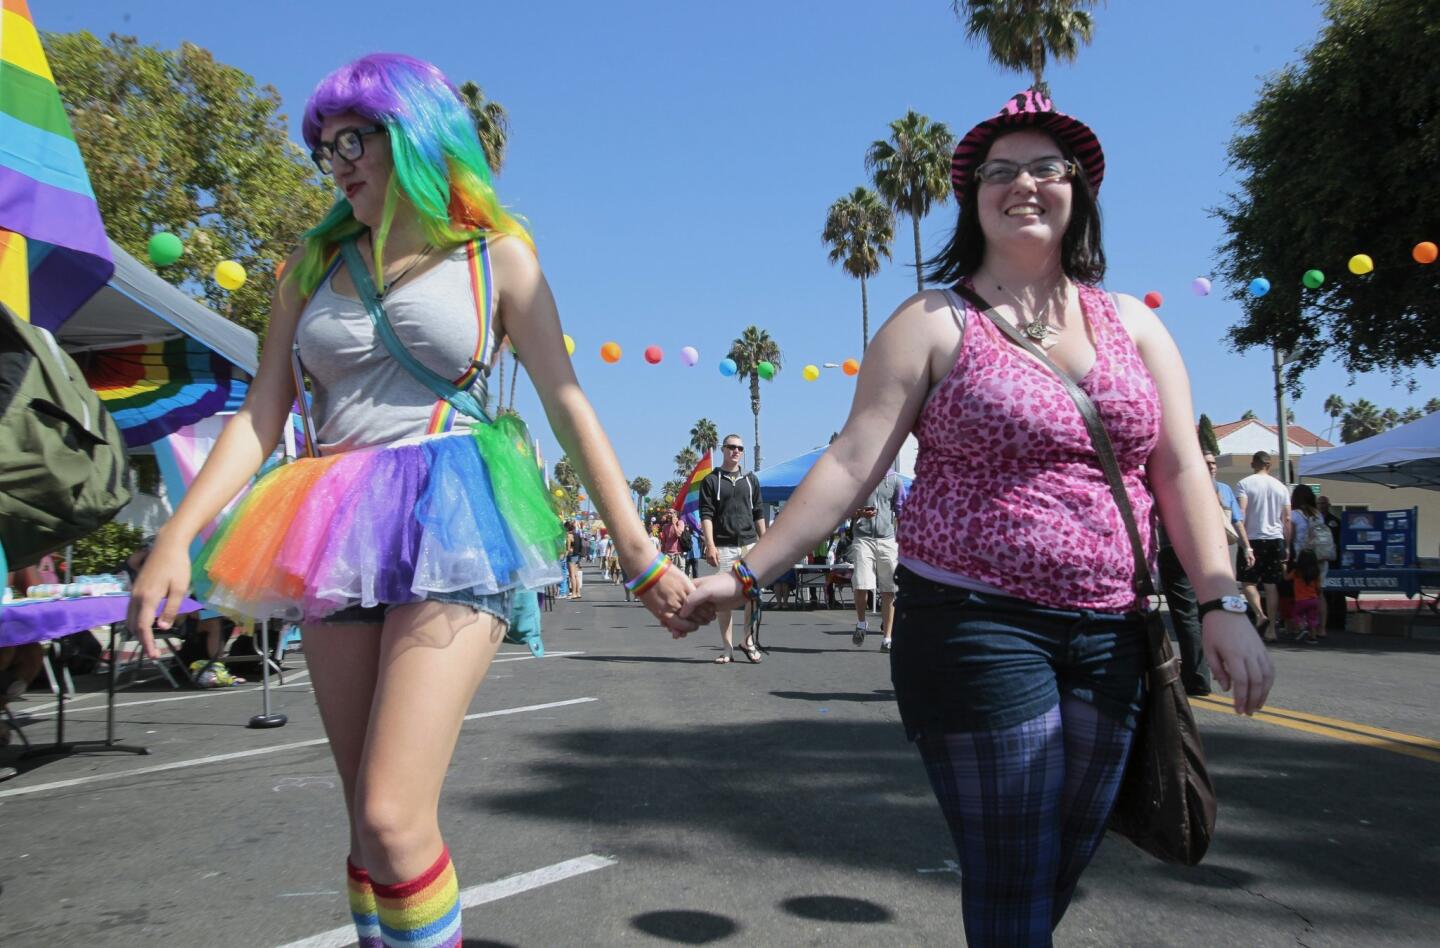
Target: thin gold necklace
x: 1037, y: 327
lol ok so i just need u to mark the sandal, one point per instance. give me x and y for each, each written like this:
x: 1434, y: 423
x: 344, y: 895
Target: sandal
x: 724, y: 660
x: 752, y: 653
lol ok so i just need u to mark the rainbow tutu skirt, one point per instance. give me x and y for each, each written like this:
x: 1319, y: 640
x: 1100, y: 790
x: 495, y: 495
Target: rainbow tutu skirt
x: 388, y: 524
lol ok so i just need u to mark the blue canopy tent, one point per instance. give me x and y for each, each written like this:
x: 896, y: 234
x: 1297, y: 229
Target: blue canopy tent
x: 777, y: 483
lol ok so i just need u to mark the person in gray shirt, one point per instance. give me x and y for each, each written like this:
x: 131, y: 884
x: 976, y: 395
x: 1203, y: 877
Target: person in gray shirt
x: 875, y: 554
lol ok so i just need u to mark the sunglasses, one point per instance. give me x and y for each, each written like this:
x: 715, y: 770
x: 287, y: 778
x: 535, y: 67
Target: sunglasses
x: 734, y: 447
x: 1000, y: 171
x: 348, y: 143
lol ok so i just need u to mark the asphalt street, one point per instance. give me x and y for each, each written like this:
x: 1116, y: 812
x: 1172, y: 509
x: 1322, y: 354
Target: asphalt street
x: 625, y: 790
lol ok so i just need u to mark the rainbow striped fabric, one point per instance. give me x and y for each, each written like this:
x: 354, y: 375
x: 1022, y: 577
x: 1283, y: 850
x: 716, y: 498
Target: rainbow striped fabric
x: 53, y: 251
x: 688, y: 503
x: 153, y: 390
x: 424, y: 912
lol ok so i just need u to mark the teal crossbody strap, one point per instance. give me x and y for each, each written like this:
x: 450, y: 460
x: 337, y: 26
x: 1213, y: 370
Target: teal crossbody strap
x: 463, y: 401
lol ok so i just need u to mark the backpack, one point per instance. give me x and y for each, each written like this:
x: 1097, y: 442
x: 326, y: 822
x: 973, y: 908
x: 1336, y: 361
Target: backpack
x: 1318, y: 539
x: 62, y: 457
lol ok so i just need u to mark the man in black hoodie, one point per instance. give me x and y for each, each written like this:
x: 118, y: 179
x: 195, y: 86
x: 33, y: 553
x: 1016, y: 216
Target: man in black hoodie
x: 733, y: 519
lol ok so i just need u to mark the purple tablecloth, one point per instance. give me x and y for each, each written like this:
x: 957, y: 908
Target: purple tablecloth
x: 34, y: 622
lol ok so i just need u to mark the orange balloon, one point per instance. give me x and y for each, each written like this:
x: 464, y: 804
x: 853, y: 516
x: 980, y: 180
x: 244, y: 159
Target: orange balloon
x: 851, y: 366
x: 610, y: 352
x: 1425, y: 252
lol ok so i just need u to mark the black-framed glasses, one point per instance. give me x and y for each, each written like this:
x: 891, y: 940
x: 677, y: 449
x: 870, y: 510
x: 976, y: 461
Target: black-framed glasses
x: 734, y: 447
x: 1001, y: 171
x: 348, y: 143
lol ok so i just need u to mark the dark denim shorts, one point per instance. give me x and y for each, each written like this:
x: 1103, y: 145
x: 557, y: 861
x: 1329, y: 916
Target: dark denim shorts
x: 969, y: 661
x: 495, y: 604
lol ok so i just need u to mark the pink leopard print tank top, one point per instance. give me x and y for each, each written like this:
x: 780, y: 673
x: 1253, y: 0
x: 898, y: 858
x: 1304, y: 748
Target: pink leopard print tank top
x: 1008, y: 491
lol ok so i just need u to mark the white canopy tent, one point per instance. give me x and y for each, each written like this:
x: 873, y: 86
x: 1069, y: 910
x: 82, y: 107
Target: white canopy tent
x: 1407, y: 456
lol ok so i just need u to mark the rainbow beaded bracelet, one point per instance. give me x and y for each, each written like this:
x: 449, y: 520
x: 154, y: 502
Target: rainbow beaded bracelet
x: 641, y: 584
x: 749, y: 582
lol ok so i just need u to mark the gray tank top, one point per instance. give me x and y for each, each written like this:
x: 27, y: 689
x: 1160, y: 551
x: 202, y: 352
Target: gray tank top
x: 361, y: 395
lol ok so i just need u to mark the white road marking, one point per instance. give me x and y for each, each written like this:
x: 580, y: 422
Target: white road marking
x: 479, y: 895
x: 510, y: 657
x: 209, y: 693
x: 256, y: 752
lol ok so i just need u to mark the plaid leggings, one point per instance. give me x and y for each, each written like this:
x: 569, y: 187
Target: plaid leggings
x: 1027, y: 807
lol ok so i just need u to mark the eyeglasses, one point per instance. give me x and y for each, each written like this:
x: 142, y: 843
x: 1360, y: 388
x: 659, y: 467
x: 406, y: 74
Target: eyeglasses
x: 1044, y: 170
x: 348, y: 143
x: 734, y: 447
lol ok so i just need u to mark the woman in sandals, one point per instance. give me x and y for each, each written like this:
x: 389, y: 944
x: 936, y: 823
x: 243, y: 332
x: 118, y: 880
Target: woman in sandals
x: 1019, y: 647
x: 401, y: 544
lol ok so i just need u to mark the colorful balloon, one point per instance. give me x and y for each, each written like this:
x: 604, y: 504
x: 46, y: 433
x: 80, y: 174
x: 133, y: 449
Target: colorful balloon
x: 689, y: 356
x: 1259, y: 286
x: 610, y: 352
x: 1201, y: 286
x: 728, y: 367
x: 1425, y: 252
x: 560, y: 492
x: 1312, y: 279
x: 229, y: 274
x: 766, y: 370
x: 653, y: 354
x: 810, y: 373
x: 165, y: 248
x: 1361, y: 264
x: 850, y: 366
x: 569, y: 345
x: 1153, y: 299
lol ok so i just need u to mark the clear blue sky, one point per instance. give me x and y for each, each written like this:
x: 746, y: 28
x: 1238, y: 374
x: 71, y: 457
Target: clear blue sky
x: 676, y: 161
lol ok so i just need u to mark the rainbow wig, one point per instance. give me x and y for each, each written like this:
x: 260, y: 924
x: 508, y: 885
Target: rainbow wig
x: 439, y: 164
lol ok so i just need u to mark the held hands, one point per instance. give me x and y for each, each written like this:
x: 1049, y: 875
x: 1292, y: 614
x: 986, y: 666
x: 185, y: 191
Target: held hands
x: 720, y: 591
x: 165, y: 575
x: 1238, y: 659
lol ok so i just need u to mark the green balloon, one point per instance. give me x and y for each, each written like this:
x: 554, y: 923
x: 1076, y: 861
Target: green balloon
x: 1312, y: 279
x: 765, y: 370
x: 165, y: 248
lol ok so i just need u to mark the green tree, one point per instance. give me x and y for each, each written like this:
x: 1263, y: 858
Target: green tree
x: 1432, y: 406
x: 1206, y: 431
x: 753, y: 347
x: 492, y: 123
x: 641, y: 487
x: 1334, y: 407
x: 1249, y: 415
x: 1411, y: 414
x: 565, y: 475
x: 1338, y: 108
x: 911, y: 170
x: 685, y: 461
x: 174, y: 140
x: 704, y: 436
x: 859, y: 229
x: 1021, y: 35
x: 671, y: 490
x: 1362, y: 420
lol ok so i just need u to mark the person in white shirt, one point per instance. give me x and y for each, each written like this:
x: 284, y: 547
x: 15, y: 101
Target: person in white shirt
x: 1265, y: 504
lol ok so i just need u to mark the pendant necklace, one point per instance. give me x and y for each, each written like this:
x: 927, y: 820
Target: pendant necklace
x: 1037, y: 328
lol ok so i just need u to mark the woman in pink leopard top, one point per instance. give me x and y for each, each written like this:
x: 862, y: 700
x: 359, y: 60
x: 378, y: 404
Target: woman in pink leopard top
x: 1019, y: 648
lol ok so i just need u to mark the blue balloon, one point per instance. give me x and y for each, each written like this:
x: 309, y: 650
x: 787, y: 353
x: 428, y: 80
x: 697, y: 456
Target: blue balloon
x: 1259, y: 286
x: 728, y: 367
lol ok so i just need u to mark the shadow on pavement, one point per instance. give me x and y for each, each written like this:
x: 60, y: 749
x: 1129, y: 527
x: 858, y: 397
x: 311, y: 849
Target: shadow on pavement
x: 836, y: 908
x: 687, y: 927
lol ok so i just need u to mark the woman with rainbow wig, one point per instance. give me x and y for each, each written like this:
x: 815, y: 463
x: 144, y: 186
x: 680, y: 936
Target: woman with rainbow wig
x: 402, y: 542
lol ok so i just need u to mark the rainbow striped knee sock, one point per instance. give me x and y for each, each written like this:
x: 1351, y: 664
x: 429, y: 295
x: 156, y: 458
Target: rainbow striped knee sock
x: 424, y: 912
x: 362, y: 906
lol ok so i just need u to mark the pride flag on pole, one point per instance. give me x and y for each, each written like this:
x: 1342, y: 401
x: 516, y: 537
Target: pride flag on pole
x: 688, y: 503
x: 53, y: 251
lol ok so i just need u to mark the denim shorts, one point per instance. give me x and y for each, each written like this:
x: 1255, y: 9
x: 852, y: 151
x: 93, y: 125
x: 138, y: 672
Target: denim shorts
x: 495, y: 604
x: 969, y: 661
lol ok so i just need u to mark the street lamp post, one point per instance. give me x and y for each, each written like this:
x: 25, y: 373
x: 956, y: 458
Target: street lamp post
x: 1282, y: 359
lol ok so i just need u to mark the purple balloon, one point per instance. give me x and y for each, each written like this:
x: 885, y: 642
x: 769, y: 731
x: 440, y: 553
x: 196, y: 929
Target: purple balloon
x: 689, y: 356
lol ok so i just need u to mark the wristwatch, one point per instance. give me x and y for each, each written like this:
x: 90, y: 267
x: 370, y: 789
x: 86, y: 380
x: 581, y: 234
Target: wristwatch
x: 1234, y: 604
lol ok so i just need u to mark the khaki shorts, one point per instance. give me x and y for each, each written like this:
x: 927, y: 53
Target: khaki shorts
x: 875, y: 559
x: 728, y: 555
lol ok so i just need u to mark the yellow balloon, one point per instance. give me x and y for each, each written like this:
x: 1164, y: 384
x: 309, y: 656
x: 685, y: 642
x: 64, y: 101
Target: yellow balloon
x: 810, y: 373
x: 569, y: 345
x: 230, y: 274
x: 560, y: 492
x: 1361, y: 264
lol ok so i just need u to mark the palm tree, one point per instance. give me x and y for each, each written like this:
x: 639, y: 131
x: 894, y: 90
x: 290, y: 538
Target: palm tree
x: 565, y: 474
x: 753, y: 347
x: 859, y: 229
x: 1411, y: 414
x: 912, y: 170
x: 1362, y: 419
x: 492, y: 123
x: 1432, y: 406
x: 1249, y: 415
x: 641, y: 486
x: 704, y: 436
x: 1334, y: 407
x: 1023, y: 34
x: 685, y: 461
x: 1389, y: 418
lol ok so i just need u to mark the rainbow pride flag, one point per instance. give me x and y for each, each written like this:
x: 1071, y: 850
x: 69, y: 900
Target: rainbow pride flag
x: 53, y: 251
x: 688, y: 503
x: 153, y: 390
